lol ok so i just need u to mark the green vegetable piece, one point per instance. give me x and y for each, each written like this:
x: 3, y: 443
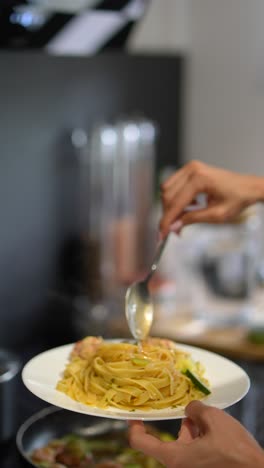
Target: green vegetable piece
x: 70, y: 437
x: 77, y: 447
x: 132, y: 465
x: 140, y: 362
x: 44, y: 464
x: 152, y: 463
x: 256, y: 336
x: 127, y: 456
x: 197, y: 382
x: 129, y: 451
x: 166, y: 437
x: 97, y: 445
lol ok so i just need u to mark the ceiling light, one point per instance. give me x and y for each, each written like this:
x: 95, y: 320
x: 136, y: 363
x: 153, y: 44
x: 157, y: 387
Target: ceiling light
x: 30, y: 17
x: 135, y: 9
x: 86, y: 33
x: 65, y: 6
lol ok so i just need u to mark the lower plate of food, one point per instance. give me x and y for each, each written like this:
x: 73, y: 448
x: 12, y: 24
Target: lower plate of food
x: 118, y: 379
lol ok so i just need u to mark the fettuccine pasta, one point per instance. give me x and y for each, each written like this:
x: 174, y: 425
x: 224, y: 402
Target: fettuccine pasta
x: 123, y: 375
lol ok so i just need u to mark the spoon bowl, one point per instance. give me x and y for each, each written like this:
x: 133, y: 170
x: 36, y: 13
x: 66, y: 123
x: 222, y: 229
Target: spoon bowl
x: 138, y: 302
x: 139, y: 310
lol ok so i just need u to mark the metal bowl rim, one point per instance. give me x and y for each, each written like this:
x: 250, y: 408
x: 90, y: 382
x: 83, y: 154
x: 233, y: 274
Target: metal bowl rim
x: 26, y: 424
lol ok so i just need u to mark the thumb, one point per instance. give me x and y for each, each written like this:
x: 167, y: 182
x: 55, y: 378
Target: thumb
x: 201, y: 415
x: 188, y: 431
x: 213, y: 214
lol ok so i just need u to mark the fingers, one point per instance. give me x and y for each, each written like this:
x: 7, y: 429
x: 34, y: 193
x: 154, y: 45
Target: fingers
x: 173, y: 186
x: 213, y: 214
x: 174, y: 453
x: 225, y: 193
x: 176, y: 208
x: 140, y: 440
x: 188, y: 174
x: 216, y: 213
x: 198, y: 412
x: 205, y: 418
x: 181, y: 176
x: 188, y: 431
x: 183, y: 187
x: 196, y: 215
x: 176, y: 227
x: 174, y: 179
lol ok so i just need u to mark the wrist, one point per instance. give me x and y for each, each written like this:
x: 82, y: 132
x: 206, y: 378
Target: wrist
x: 256, y: 189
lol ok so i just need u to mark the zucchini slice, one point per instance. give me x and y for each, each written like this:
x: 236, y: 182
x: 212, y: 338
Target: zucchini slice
x: 197, y: 382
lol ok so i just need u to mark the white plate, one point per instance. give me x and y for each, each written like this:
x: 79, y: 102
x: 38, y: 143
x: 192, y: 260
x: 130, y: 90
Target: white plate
x: 229, y: 384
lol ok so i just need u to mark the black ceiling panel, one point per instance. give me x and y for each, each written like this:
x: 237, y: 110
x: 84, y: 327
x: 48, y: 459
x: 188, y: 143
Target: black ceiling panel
x: 16, y: 32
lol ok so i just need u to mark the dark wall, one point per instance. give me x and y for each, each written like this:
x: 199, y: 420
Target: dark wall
x: 41, y: 98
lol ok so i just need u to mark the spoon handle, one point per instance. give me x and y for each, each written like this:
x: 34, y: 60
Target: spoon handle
x: 155, y: 262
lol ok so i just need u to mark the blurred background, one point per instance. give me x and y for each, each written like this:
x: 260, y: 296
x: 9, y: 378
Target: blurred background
x: 100, y: 101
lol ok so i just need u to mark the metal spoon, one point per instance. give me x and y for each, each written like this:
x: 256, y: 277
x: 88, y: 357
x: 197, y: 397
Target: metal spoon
x: 138, y: 303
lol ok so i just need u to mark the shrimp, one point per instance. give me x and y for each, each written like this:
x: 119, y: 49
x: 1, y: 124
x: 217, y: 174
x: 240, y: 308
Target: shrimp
x: 87, y: 347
